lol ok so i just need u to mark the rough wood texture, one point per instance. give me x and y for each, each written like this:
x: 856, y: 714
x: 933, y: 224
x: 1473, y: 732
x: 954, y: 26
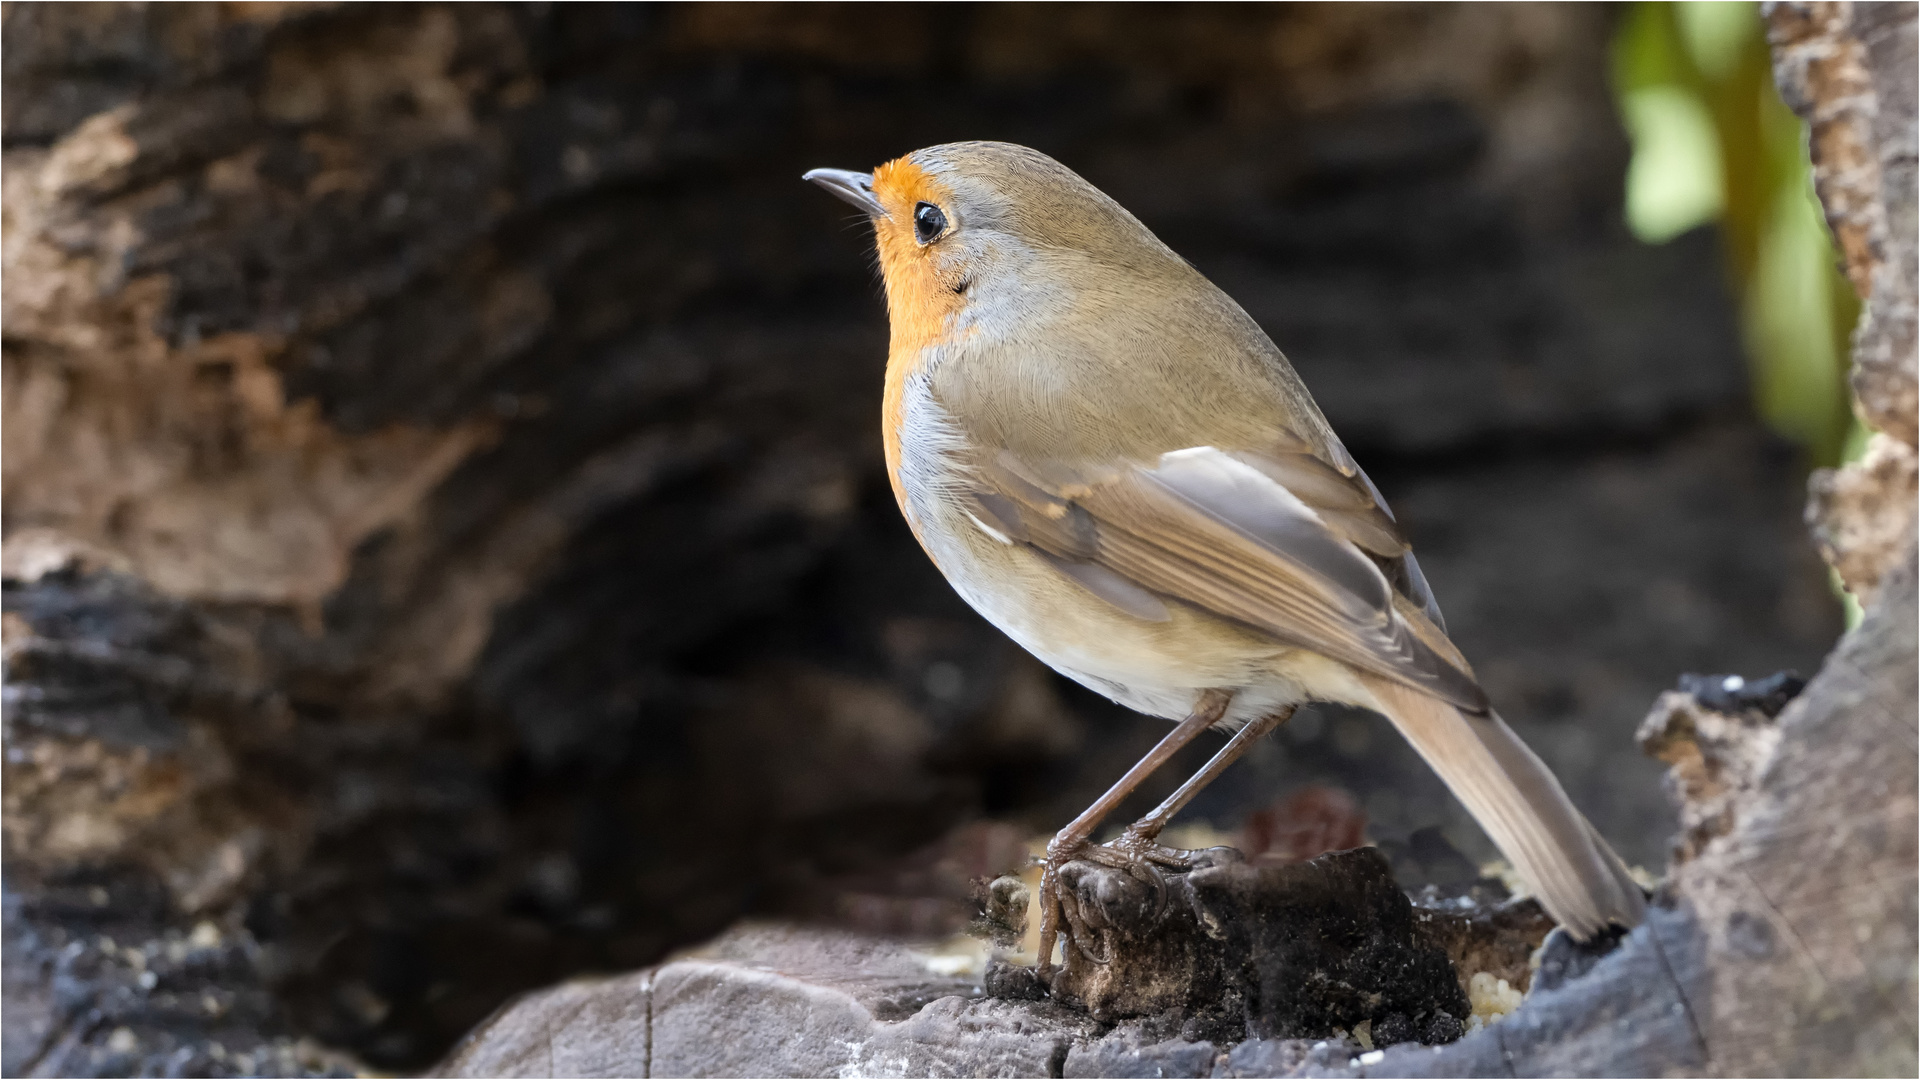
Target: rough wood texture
x: 779, y: 1001
x: 1861, y: 515
x: 1263, y: 952
x: 1848, y: 69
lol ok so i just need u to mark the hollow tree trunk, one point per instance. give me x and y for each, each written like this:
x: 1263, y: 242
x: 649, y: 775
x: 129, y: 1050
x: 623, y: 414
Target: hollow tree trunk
x: 445, y: 545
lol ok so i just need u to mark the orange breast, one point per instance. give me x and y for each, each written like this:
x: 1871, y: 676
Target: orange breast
x: 921, y: 298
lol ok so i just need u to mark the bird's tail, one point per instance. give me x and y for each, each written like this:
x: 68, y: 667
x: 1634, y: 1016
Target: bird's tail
x: 1577, y: 877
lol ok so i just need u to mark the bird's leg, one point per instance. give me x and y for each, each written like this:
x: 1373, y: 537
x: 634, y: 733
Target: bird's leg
x: 1071, y: 841
x: 1147, y: 829
x: 1137, y: 850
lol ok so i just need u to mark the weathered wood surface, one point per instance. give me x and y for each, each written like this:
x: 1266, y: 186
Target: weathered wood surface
x: 1848, y: 69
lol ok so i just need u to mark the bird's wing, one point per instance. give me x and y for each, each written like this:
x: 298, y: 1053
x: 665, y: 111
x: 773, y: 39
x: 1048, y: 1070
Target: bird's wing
x: 1402, y: 570
x: 1280, y: 541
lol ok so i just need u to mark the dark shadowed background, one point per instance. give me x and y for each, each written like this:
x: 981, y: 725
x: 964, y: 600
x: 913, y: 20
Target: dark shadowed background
x: 446, y: 541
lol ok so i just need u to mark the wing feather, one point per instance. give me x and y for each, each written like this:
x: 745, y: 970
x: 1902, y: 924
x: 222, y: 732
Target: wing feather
x: 1230, y: 536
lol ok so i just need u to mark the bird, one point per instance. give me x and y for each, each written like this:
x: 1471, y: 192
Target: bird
x: 1111, y: 462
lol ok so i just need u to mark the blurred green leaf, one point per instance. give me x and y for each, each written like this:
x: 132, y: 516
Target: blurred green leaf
x: 1716, y: 33
x: 1797, y: 376
x: 1713, y: 143
x: 1673, y: 182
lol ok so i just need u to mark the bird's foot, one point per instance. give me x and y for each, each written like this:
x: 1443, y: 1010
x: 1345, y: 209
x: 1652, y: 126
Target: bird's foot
x: 1061, y: 850
x: 1136, y: 851
x: 1139, y: 852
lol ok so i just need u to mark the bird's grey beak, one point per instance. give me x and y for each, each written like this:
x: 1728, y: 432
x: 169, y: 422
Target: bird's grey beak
x: 854, y: 187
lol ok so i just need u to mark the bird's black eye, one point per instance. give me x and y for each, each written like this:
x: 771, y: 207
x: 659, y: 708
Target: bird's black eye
x: 928, y: 222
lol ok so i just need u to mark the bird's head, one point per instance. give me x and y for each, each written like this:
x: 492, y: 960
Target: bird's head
x: 972, y: 223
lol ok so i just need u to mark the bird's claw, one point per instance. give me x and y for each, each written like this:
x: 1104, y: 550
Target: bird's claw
x: 1140, y: 854
x: 1061, y: 850
x: 1134, y: 851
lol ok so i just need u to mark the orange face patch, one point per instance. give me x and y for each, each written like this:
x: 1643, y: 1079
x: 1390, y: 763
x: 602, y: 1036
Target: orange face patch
x: 920, y: 299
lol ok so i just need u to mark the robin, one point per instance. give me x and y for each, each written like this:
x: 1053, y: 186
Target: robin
x: 1113, y: 463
